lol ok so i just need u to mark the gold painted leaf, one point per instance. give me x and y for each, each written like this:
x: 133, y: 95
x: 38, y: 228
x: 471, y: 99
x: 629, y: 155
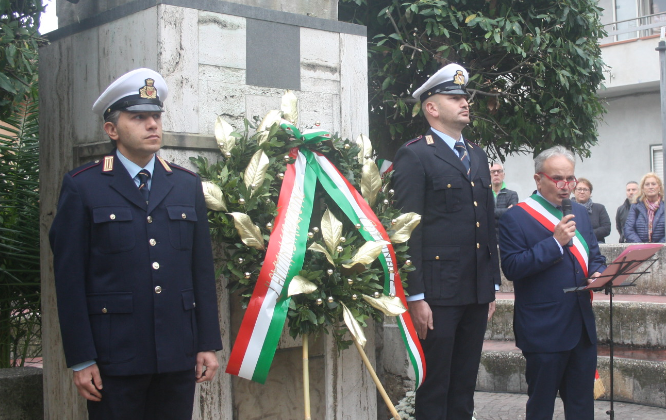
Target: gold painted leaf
x: 403, y: 227
x: 364, y: 144
x: 318, y: 248
x: 256, y: 171
x: 391, y: 306
x: 214, y: 196
x: 273, y: 116
x: 223, y: 130
x: 289, y: 107
x: 371, y: 182
x: 366, y: 253
x: 331, y: 230
x: 353, y: 326
x: 262, y: 137
x: 299, y: 284
x: 249, y: 233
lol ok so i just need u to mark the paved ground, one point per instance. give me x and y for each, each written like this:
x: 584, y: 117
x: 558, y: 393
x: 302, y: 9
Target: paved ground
x: 501, y: 406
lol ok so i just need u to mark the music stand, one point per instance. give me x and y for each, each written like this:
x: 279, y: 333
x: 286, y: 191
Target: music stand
x: 618, y: 274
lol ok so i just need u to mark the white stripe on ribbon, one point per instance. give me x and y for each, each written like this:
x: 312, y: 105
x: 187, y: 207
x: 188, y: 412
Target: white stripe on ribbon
x: 279, y: 274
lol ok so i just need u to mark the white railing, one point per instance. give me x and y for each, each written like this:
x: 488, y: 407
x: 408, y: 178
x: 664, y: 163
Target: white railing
x: 634, y: 28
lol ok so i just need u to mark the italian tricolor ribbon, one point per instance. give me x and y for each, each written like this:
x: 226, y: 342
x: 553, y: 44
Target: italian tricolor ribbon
x: 549, y: 216
x: 256, y: 343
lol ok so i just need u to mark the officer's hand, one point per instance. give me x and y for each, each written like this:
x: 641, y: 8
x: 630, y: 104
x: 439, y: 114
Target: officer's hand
x: 565, y: 230
x: 421, y: 317
x: 89, y: 383
x: 491, y: 309
x: 209, y: 360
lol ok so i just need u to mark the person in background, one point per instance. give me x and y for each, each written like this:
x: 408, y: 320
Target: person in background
x: 598, y: 215
x: 621, y: 216
x: 504, y: 197
x: 645, y: 221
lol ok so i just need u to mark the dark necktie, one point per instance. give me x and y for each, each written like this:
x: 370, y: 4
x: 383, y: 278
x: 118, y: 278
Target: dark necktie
x: 144, y: 176
x: 462, y: 154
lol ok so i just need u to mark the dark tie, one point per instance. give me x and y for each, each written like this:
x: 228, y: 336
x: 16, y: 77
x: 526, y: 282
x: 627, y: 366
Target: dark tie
x: 462, y: 154
x: 144, y: 176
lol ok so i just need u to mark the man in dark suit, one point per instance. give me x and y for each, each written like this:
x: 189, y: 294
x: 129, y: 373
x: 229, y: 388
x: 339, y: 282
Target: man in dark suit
x: 133, y: 267
x: 543, y: 253
x: 446, y: 180
x: 504, y: 197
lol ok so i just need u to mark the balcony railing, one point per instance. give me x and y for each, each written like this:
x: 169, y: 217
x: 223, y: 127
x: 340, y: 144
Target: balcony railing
x: 634, y: 28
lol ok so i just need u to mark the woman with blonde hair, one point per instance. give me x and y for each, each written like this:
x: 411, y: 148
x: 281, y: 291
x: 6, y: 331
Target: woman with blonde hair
x: 645, y: 221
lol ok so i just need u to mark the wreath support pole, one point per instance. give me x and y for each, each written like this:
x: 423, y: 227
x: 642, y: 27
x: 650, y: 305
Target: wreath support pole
x: 306, y: 377
x: 379, y: 385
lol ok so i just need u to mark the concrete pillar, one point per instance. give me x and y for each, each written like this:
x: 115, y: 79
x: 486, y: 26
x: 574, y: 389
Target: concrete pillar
x: 218, y: 58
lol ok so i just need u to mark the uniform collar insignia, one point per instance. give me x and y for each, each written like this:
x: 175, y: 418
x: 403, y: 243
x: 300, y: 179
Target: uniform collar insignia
x: 108, y: 164
x: 165, y: 164
x: 429, y: 139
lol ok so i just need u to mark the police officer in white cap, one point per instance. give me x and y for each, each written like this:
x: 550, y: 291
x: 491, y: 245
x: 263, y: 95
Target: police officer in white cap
x: 446, y: 180
x: 133, y: 267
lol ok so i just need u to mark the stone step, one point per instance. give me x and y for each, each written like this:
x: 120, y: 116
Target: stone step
x: 638, y: 320
x: 652, y: 283
x: 639, y: 375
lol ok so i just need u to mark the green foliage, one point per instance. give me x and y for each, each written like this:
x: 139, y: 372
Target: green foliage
x: 20, y: 315
x: 19, y: 42
x: 534, y: 67
x: 308, y: 313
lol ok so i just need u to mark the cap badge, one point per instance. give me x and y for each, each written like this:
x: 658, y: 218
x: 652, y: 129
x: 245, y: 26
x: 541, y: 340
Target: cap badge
x: 149, y: 91
x: 459, y: 78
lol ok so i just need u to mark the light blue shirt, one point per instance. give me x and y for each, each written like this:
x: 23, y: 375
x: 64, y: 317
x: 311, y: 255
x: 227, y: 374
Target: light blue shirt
x: 133, y: 169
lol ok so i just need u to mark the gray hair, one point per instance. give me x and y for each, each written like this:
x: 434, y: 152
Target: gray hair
x: 549, y: 153
x: 113, y: 117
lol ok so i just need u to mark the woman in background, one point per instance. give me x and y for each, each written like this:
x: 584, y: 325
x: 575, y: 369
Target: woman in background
x: 645, y: 221
x: 598, y: 215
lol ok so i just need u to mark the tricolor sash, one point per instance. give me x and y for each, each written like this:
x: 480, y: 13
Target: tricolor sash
x: 549, y: 216
x: 254, y: 349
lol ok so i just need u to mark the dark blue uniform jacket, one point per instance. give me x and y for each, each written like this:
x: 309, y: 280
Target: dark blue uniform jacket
x: 545, y: 318
x: 135, y: 282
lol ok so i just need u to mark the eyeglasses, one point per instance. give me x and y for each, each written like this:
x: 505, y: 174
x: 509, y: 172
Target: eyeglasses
x: 582, y: 189
x: 562, y: 184
x: 496, y: 171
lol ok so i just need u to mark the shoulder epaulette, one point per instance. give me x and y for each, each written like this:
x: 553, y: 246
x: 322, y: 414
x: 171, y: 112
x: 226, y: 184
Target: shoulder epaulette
x: 414, y: 140
x: 86, y: 167
x: 471, y: 143
x: 174, y: 166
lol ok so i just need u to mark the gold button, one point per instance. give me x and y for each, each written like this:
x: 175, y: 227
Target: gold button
x: 194, y: 304
x: 149, y: 219
x: 490, y: 185
x: 477, y: 224
x: 152, y: 242
x: 97, y: 161
x: 158, y: 289
x: 156, y: 265
x: 184, y: 216
x: 112, y: 217
x: 104, y: 310
x: 437, y: 257
x: 448, y: 186
x: 475, y: 204
x: 477, y: 245
x: 472, y: 183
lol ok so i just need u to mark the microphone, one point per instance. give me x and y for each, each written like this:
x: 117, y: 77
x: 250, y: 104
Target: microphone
x: 566, y: 210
